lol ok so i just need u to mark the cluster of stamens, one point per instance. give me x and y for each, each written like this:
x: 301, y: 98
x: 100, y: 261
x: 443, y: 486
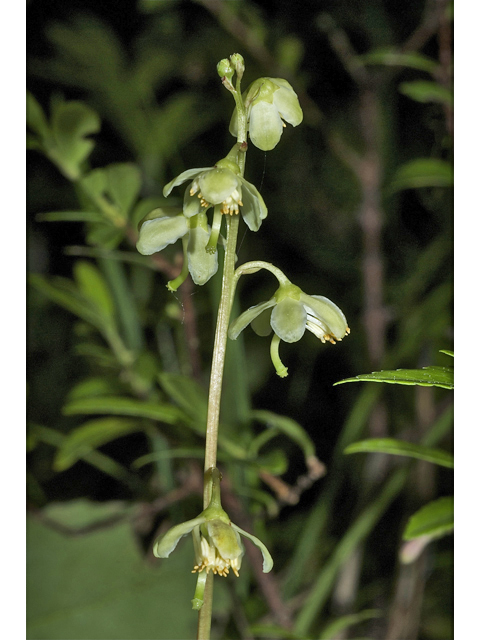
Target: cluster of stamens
x: 317, y: 328
x: 231, y: 204
x: 210, y: 559
x: 221, y: 567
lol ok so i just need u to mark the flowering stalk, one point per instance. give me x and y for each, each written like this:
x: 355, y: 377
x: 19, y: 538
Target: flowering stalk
x: 220, y: 344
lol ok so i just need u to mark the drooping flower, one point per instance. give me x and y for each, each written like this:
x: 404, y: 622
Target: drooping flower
x: 223, y: 187
x: 166, y: 225
x: 289, y: 313
x: 216, y: 539
x: 269, y: 102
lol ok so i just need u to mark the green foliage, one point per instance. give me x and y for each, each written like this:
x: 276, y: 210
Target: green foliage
x: 119, y: 366
x: 427, y: 377
x: 400, y: 448
x: 63, y: 139
x: 68, y: 601
x: 433, y: 520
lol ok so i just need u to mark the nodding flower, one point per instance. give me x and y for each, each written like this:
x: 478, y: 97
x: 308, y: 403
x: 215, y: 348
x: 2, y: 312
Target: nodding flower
x: 222, y: 187
x: 216, y: 539
x: 289, y: 312
x: 269, y: 102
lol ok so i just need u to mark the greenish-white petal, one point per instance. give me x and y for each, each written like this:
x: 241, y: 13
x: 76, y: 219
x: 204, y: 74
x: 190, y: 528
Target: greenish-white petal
x: 191, y: 204
x: 261, y: 324
x: 267, y: 558
x: 164, y: 546
x: 217, y: 185
x: 238, y: 325
x: 254, y: 209
x: 327, y: 313
x: 233, y: 127
x: 286, y: 101
x: 289, y: 319
x: 265, y: 126
x: 156, y: 234
x: 225, y: 539
x: 202, y: 265
x: 183, y: 177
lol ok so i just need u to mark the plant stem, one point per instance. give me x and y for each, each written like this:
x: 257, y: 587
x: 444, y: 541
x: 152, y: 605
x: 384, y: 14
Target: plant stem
x: 205, y: 613
x: 219, y: 349
x: 218, y: 359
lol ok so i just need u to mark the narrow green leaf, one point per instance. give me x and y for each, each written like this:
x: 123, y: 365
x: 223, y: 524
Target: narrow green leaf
x: 167, y: 454
x: 89, y: 436
x: 36, y: 118
x: 70, y: 216
x: 434, y: 519
x: 426, y: 91
x: 273, y: 631
x: 64, y: 293
x: 391, y: 58
x: 344, y: 622
x: 124, y: 407
x: 401, y: 448
x: 427, y: 377
x: 287, y: 426
x: 423, y: 172
x: 446, y: 352
x: 93, y: 386
x: 356, y: 533
x: 187, y: 394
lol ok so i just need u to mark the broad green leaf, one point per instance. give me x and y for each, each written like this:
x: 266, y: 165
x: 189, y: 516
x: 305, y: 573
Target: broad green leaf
x: 94, y: 183
x: 187, y: 394
x: 123, y: 184
x: 426, y: 377
x: 70, y: 216
x: 71, y: 122
x: 92, y: 285
x: 98, y: 585
x: 391, y: 58
x: 434, y: 519
x: 401, y: 448
x: 89, y: 436
x: 124, y: 407
x: 426, y: 91
x: 288, y: 427
x: 423, y: 172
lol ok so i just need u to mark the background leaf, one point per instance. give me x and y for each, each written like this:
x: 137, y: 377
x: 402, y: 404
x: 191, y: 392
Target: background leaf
x: 434, y: 519
x: 426, y: 377
x: 80, y: 587
x: 401, y: 448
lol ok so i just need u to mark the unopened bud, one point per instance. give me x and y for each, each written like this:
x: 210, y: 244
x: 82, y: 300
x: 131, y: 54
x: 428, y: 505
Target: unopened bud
x: 225, y: 69
x: 238, y: 63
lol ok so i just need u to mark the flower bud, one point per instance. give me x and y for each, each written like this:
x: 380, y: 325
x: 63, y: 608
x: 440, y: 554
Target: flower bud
x: 225, y: 69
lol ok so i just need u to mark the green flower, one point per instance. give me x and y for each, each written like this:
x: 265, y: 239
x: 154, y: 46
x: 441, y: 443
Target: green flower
x: 216, y: 539
x: 269, y: 102
x: 166, y: 225
x: 289, y: 313
x: 223, y: 187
